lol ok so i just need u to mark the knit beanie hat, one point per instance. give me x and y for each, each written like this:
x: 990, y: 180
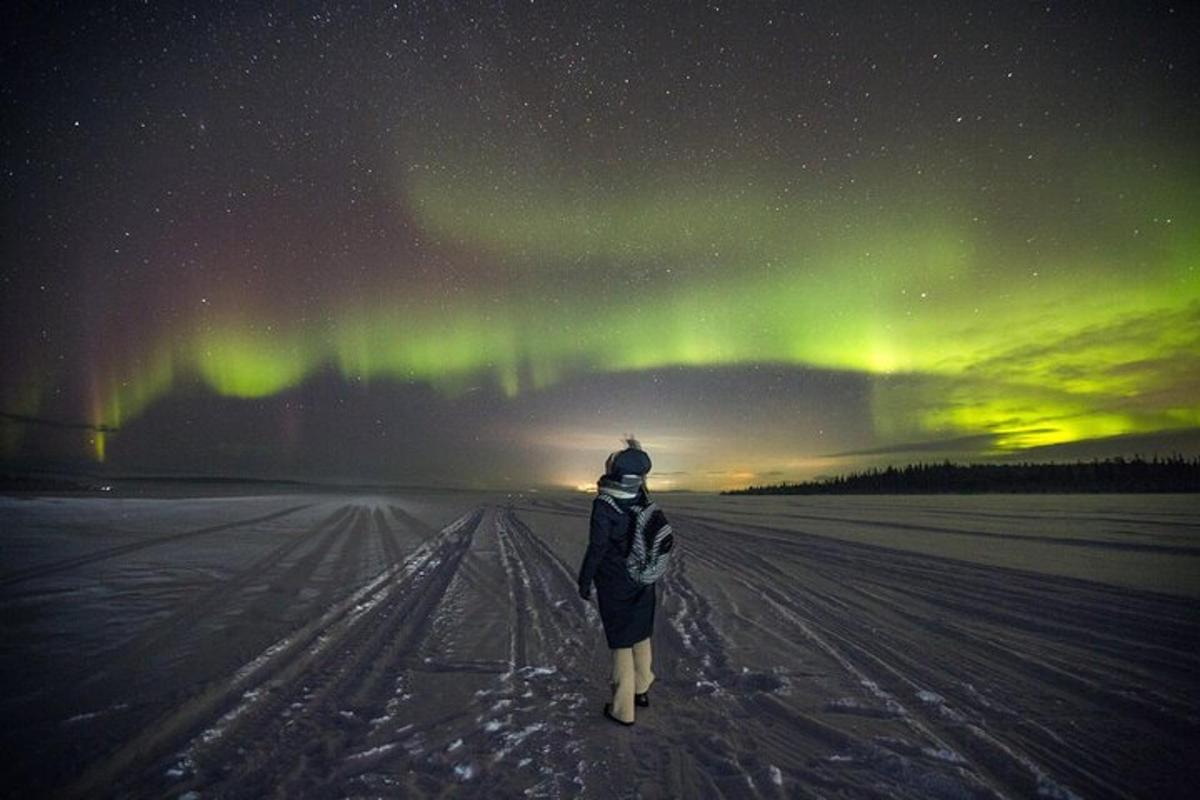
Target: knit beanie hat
x: 630, y: 461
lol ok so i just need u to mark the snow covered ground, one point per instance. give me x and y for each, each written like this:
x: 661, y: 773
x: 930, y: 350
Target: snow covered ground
x: 433, y: 644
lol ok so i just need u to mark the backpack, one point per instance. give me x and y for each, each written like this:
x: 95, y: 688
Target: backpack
x: 648, y: 550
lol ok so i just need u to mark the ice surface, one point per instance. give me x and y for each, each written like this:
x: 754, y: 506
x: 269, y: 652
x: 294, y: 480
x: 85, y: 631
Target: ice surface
x: 351, y: 645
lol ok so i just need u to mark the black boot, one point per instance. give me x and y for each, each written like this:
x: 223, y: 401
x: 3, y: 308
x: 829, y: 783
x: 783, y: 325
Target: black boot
x: 642, y: 699
x: 608, y: 713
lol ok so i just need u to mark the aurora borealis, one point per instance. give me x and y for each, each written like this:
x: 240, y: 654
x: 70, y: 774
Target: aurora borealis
x: 475, y: 243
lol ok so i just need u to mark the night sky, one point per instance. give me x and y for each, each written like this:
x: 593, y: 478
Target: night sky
x: 474, y: 244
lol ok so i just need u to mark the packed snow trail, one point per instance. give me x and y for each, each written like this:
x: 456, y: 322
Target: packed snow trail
x: 424, y: 646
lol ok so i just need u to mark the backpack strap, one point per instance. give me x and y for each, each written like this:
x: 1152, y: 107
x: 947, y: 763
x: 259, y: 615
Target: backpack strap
x: 633, y: 511
x: 610, y: 501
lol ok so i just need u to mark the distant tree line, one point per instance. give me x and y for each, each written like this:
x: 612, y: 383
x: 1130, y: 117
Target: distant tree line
x: 1171, y: 474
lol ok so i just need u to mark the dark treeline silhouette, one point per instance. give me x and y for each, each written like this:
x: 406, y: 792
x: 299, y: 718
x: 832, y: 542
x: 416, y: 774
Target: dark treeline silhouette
x: 1172, y: 474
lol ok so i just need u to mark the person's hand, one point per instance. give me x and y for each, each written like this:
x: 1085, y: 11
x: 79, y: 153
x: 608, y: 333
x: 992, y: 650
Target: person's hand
x: 585, y: 591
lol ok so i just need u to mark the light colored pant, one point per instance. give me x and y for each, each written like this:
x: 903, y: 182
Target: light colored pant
x: 631, y: 675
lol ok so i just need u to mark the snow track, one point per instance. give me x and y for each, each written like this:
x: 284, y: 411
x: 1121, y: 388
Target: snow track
x: 1085, y: 671
x: 69, y: 564
x: 285, y: 691
x: 434, y: 646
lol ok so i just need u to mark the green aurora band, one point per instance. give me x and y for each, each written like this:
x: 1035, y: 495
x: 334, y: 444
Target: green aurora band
x: 1094, y: 331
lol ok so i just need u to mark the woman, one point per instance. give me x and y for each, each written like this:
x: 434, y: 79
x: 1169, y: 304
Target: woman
x: 626, y: 607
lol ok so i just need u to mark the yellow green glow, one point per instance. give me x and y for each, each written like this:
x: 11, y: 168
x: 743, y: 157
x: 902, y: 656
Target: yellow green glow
x: 241, y: 362
x: 1079, y: 342
x: 122, y: 396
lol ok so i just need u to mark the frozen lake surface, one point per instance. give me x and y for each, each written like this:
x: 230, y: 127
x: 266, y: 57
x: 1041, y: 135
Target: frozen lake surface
x: 432, y: 644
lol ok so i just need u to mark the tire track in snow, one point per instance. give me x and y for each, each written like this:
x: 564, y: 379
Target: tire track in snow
x: 693, y: 650
x: 518, y: 593
x: 235, y: 725
x: 208, y: 604
x: 515, y: 735
x: 334, y: 572
x: 182, y: 646
x: 865, y: 658
x: 67, y: 564
x: 419, y: 528
x: 939, y: 684
x: 555, y: 582
x: 893, y: 523
x: 387, y: 538
x: 358, y: 675
x: 190, y: 646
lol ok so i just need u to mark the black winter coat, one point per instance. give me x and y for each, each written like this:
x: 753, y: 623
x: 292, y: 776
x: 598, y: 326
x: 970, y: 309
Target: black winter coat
x: 626, y: 606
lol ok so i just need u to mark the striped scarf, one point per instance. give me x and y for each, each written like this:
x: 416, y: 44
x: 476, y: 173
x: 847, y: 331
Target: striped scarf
x: 624, y: 488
